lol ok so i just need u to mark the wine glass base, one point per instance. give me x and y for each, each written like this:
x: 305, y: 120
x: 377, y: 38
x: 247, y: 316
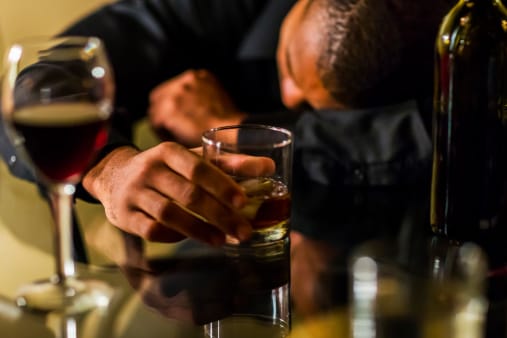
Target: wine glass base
x: 72, y: 296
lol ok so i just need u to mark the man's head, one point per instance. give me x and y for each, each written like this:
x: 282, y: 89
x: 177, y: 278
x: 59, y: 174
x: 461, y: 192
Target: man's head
x: 353, y: 53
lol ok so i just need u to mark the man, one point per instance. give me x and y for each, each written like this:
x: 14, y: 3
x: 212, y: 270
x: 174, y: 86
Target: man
x: 363, y: 153
x: 149, y: 193
x: 381, y: 54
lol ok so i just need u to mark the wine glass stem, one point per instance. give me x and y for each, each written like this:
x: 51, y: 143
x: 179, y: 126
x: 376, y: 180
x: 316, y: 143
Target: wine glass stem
x: 62, y: 204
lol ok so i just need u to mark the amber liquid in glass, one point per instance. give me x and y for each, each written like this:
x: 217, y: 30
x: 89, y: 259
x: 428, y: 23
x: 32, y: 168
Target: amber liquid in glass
x: 268, y: 208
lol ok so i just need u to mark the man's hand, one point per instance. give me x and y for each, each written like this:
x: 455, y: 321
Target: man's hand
x: 187, y: 105
x: 167, y: 193
x: 310, y: 259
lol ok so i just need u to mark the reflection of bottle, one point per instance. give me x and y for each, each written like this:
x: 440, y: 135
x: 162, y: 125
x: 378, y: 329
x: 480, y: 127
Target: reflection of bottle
x: 470, y: 120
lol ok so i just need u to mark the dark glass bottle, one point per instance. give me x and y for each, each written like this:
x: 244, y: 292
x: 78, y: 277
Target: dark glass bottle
x: 468, y: 192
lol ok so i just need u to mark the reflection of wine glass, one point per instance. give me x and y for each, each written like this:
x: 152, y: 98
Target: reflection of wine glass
x: 57, y: 97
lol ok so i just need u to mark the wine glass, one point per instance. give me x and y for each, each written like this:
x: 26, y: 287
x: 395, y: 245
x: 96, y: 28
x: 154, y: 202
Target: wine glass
x: 57, y: 97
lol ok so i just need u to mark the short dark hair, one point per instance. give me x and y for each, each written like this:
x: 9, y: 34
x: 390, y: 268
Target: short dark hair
x: 373, y: 52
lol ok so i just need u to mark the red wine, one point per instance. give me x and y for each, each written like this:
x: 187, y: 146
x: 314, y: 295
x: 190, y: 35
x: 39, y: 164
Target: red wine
x: 61, y: 139
x: 468, y: 195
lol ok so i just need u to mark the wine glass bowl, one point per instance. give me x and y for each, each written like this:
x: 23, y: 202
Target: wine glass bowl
x: 57, y: 98
x: 58, y: 90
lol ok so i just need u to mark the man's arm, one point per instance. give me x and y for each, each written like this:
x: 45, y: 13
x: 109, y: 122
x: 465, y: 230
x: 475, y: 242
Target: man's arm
x: 150, y: 41
x: 185, y: 106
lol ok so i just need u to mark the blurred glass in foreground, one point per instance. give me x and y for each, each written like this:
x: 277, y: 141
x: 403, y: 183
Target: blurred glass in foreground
x: 435, y: 291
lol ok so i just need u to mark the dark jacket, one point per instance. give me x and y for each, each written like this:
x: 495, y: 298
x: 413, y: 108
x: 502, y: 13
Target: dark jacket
x: 149, y: 41
x: 361, y: 174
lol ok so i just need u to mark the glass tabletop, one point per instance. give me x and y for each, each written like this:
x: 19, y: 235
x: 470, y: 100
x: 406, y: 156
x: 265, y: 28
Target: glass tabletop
x: 188, y: 289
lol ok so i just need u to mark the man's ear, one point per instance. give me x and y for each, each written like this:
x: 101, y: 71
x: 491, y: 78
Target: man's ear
x: 292, y: 95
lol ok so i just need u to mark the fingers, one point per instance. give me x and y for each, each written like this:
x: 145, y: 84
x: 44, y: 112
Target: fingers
x: 184, y: 105
x: 245, y: 165
x: 163, y: 89
x: 142, y: 225
x: 191, y: 103
x: 202, y: 173
x: 241, y: 164
x: 168, y: 183
x: 167, y: 193
x: 177, y: 120
x: 190, y: 210
x: 193, y: 227
x: 160, y: 110
x: 172, y: 230
x: 185, y: 81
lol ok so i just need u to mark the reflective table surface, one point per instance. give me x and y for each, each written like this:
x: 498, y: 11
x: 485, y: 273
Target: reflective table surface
x: 185, y: 289
x: 175, y: 290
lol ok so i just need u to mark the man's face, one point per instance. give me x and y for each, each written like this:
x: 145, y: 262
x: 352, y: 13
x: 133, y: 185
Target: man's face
x: 297, y: 59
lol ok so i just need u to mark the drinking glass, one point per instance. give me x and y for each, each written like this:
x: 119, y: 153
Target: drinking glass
x: 266, y: 181
x: 57, y: 96
x: 256, y: 303
x: 435, y: 289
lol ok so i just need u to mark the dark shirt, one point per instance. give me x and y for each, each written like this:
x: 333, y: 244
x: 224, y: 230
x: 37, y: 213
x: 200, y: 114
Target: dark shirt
x: 150, y: 41
x: 360, y: 174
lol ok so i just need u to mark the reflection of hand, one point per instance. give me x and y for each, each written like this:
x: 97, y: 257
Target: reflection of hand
x: 179, y: 293
x: 150, y: 194
x: 194, y: 289
x: 314, y: 279
x: 187, y: 105
x: 204, y: 287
